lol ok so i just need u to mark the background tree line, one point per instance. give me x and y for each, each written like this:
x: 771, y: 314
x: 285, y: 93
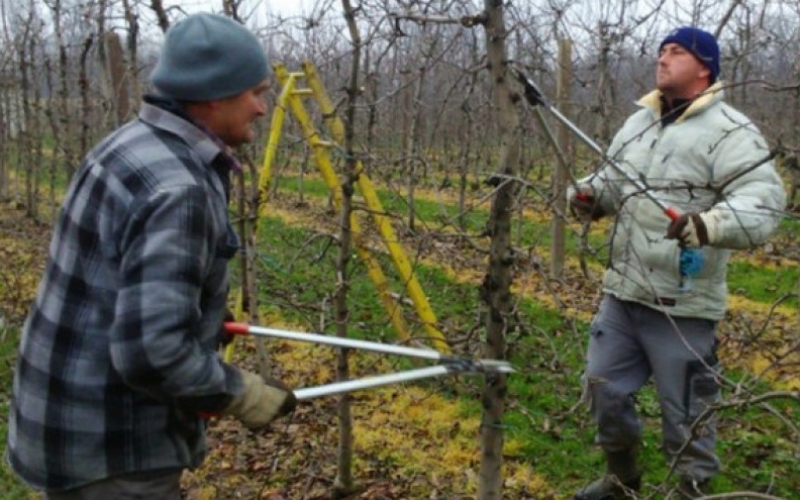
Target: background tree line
x: 71, y: 70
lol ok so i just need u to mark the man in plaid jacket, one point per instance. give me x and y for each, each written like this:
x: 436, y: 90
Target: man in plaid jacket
x: 118, y: 358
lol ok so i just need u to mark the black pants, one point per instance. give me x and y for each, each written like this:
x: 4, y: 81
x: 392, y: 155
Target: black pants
x: 127, y: 487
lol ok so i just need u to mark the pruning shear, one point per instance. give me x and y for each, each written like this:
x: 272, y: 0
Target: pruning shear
x: 447, y: 364
x: 691, y: 260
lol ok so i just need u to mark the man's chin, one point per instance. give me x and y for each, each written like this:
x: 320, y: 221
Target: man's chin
x: 250, y: 136
x: 235, y: 142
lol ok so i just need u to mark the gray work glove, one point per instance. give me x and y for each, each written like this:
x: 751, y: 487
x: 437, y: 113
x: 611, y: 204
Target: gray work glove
x: 584, y: 203
x: 263, y: 400
x: 694, y: 230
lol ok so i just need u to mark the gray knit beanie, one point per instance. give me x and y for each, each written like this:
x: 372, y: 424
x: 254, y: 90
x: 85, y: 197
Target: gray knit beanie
x: 207, y: 57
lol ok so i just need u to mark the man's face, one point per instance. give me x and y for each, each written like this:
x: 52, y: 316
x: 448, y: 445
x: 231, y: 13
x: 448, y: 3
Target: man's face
x: 235, y: 116
x: 679, y: 74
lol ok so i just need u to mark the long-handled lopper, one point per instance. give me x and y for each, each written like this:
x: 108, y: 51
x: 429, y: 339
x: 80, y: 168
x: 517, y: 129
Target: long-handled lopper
x: 446, y: 364
x: 690, y: 259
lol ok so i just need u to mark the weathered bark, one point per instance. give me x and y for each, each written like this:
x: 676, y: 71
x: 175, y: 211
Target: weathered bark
x: 26, y: 65
x: 343, y: 485
x: 466, y: 149
x: 117, y: 77
x: 5, y: 137
x: 246, y: 227
x: 86, y: 107
x: 161, y: 14
x: 412, y: 151
x: 560, y: 174
x: 132, y: 45
x: 602, y: 98
x: 496, y: 287
x: 63, y: 102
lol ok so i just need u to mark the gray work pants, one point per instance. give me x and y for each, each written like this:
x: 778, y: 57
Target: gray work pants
x: 126, y: 487
x: 629, y: 342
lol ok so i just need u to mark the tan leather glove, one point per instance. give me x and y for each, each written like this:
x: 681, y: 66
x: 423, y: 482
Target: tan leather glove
x: 262, y: 401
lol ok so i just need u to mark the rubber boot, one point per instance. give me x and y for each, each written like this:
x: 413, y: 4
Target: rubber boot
x: 688, y: 488
x: 620, y: 480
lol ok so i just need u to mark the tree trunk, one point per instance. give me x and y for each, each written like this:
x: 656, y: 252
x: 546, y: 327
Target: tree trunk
x: 117, y: 78
x: 496, y: 287
x: 466, y: 149
x: 558, y: 249
x: 86, y: 108
x: 132, y: 45
x: 26, y: 123
x: 601, y: 98
x: 161, y: 14
x: 5, y: 137
x: 343, y: 485
x: 412, y: 153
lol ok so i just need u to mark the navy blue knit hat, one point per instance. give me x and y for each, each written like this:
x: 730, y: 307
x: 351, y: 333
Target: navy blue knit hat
x: 700, y: 43
x: 207, y: 57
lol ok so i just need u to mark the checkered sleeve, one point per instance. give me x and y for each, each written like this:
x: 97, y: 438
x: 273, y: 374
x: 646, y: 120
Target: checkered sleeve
x: 168, y: 252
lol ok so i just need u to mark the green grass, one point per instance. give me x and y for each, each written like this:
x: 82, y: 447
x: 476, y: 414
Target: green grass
x: 763, y: 285
x: 555, y: 435
x: 744, y: 278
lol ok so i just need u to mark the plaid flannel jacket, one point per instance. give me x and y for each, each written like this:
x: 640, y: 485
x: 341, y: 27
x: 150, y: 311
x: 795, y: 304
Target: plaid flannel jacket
x: 118, y: 354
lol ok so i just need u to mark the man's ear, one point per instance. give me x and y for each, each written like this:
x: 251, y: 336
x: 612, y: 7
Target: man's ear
x: 212, y: 105
x: 205, y: 112
x: 704, y: 72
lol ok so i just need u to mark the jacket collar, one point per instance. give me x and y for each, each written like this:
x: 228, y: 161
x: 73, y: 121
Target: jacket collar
x: 169, y: 114
x: 714, y: 93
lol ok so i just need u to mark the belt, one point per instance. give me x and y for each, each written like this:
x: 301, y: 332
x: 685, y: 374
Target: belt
x: 665, y: 301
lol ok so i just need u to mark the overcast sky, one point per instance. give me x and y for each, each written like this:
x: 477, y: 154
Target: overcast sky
x: 283, y: 7
x: 288, y: 6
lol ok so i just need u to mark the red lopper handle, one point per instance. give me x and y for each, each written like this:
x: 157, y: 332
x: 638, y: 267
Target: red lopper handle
x: 672, y: 213
x: 237, y: 328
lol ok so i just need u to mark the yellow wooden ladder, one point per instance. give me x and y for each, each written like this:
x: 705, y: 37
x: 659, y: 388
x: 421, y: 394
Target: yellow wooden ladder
x: 293, y: 97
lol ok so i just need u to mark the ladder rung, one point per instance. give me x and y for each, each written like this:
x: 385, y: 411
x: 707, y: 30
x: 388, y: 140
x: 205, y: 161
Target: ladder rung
x: 324, y: 144
x: 302, y: 92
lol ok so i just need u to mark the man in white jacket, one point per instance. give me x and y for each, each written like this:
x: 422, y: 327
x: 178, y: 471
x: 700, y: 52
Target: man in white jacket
x: 707, y: 160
